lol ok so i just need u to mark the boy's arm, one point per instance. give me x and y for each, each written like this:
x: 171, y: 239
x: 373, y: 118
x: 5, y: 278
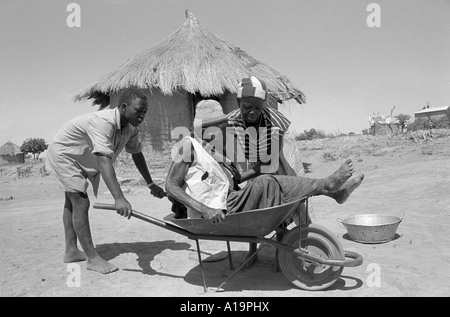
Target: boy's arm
x: 123, y: 207
x: 139, y: 161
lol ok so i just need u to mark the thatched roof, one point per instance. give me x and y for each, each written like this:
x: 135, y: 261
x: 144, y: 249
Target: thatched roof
x: 194, y: 59
x: 10, y: 148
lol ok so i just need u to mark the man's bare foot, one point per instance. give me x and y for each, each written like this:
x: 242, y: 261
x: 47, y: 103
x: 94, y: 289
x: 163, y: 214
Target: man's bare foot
x: 345, y: 191
x: 339, y: 177
x: 98, y: 264
x: 74, y: 256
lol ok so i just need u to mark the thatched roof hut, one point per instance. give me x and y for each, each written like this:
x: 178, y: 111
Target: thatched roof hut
x: 11, y: 153
x: 190, y: 65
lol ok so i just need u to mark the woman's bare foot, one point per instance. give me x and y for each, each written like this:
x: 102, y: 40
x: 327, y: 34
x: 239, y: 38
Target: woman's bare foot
x: 339, y: 177
x: 345, y: 191
x: 75, y: 255
x: 98, y: 264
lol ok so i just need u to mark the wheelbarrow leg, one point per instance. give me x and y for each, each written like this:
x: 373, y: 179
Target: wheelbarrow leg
x: 230, y: 259
x: 240, y: 267
x: 201, y: 266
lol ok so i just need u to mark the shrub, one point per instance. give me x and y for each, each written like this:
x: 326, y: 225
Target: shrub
x: 327, y: 157
x: 443, y: 123
x: 427, y: 124
x: 24, y: 172
x: 403, y: 120
x: 35, y: 146
x: 312, y: 134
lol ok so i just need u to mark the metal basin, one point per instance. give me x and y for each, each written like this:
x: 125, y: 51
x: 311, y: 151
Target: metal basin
x: 371, y: 228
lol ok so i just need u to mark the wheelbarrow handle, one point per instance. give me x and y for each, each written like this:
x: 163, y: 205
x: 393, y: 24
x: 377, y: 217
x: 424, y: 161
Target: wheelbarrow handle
x: 104, y: 206
x: 150, y: 219
x: 136, y: 214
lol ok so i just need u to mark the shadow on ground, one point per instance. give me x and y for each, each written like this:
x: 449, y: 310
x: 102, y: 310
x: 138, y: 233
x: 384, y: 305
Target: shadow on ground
x: 262, y: 276
x: 145, y: 252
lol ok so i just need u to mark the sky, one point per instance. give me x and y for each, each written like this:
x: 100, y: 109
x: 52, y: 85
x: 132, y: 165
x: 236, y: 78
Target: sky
x: 347, y: 69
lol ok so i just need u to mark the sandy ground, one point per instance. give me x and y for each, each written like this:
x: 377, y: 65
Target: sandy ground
x: 410, y: 180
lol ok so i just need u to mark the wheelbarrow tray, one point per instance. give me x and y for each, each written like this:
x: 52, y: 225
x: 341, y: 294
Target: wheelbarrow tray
x: 253, y: 223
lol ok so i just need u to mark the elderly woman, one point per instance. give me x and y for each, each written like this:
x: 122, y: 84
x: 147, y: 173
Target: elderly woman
x: 205, y: 184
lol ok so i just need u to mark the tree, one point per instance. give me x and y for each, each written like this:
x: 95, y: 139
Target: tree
x: 35, y: 146
x: 403, y: 119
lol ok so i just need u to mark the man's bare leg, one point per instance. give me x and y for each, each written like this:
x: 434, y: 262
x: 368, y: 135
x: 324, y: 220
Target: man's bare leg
x: 72, y: 253
x: 80, y: 207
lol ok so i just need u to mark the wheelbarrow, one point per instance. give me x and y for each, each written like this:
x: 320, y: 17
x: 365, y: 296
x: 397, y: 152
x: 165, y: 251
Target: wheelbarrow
x: 309, y: 255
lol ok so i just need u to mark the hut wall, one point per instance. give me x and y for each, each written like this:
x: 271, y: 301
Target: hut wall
x: 13, y: 158
x: 384, y: 129
x: 164, y: 114
x: 228, y: 101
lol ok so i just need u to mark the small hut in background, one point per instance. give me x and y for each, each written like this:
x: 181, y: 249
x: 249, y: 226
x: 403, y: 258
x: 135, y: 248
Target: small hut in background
x: 191, y: 65
x: 384, y: 125
x: 11, y: 153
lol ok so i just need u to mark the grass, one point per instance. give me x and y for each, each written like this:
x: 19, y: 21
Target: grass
x: 359, y: 146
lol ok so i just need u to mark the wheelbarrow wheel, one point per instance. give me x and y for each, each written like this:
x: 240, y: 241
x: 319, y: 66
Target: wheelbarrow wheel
x: 306, y: 274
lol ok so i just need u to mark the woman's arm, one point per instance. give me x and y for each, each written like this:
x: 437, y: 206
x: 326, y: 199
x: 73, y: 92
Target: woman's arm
x: 174, y: 183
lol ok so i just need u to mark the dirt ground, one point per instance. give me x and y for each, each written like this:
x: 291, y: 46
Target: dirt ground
x: 404, y: 177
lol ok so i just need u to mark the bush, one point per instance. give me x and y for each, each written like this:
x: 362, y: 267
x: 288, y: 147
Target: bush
x: 24, y: 171
x: 35, y: 146
x: 403, y: 119
x: 443, y: 123
x: 312, y: 134
x: 427, y: 124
